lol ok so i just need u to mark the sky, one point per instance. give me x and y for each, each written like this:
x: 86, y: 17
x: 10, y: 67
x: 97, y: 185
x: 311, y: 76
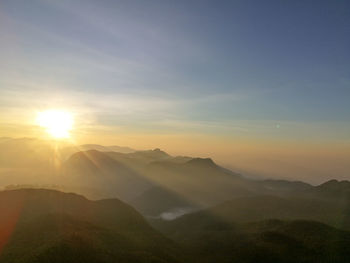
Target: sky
x: 260, y: 86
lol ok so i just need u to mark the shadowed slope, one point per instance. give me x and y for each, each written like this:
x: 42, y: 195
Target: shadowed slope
x: 52, y: 225
x: 210, y: 238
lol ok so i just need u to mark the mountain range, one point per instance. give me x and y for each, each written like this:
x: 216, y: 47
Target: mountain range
x: 149, y: 206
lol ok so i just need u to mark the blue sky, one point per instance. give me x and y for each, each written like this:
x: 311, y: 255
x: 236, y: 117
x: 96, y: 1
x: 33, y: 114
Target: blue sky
x: 217, y: 67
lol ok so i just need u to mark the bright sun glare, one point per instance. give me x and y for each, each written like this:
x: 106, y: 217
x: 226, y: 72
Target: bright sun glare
x: 58, y: 123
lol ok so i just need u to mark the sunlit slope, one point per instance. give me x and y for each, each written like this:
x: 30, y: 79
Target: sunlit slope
x: 51, y: 226
x: 97, y: 174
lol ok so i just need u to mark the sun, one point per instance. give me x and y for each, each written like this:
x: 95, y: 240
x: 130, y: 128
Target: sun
x: 57, y: 123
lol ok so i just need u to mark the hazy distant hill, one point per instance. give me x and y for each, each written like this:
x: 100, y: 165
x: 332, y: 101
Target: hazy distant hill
x: 155, y: 182
x: 115, y: 148
x: 27, y: 152
x: 35, y: 161
x: 30, y: 152
x: 51, y: 226
x: 2, y: 139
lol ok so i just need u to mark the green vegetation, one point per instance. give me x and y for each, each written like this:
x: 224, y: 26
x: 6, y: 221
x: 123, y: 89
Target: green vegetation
x: 209, y: 239
x: 51, y: 226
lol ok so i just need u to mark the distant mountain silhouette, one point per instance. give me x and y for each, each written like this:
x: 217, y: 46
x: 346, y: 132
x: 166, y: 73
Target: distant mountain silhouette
x: 50, y: 226
x: 150, y: 155
x: 37, y: 161
x: 32, y: 151
x: 115, y: 148
x: 202, y: 162
x: 153, y: 181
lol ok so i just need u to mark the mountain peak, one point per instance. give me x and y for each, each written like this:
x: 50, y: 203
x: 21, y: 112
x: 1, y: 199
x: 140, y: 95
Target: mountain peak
x: 335, y: 183
x: 155, y: 154
x: 207, y: 162
x: 101, y: 148
x: 159, y: 151
x: 334, y: 189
